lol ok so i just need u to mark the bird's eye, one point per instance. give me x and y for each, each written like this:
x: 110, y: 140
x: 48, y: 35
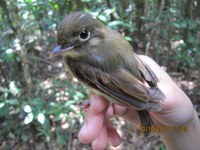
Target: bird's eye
x: 84, y: 35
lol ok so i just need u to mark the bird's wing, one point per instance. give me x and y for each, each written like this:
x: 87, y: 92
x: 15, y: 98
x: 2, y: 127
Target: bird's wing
x: 149, y: 76
x: 120, y: 85
x: 146, y: 72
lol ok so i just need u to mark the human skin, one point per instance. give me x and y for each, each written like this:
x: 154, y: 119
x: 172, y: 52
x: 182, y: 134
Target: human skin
x: 176, y: 110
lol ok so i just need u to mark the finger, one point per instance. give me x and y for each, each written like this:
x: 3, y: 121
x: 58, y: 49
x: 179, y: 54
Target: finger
x: 113, y: 136
x: 116, y: 110
x: 124, y: 112
x: 91, y: 128
x: 101, y: 141
x: 98, y: 104
x: 132, y: 116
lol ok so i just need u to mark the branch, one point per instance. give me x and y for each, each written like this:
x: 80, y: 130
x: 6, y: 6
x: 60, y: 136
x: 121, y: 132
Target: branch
x: 26, y: 70
x: 4, y: 76
x: 110, y: 6
x: 4, y: 7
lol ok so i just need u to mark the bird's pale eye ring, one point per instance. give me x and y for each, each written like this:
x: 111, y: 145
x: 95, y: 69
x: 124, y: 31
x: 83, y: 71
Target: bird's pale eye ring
x: 84, y: 35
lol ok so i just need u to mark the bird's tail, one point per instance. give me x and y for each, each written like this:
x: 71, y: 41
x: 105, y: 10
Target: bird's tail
x: 146, y: 121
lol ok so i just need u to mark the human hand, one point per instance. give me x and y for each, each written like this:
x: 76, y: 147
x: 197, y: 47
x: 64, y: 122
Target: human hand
x: 176, y: 110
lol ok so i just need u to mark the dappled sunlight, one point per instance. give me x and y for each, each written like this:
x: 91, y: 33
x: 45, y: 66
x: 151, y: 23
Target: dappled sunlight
x: 46, y: 84
x: 60, y: 64
x: 49, y: 67
x: 62, y: 75
x: 175, y: 44
x: 75, y: 79
x: 62, y: 95
x: 189, y: 84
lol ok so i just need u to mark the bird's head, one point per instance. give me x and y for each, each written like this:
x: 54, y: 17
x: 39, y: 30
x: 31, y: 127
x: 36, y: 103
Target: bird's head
x: 77, y: 31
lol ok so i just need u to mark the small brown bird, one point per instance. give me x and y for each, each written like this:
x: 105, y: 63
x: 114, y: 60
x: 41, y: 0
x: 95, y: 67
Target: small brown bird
x: 100, y: 58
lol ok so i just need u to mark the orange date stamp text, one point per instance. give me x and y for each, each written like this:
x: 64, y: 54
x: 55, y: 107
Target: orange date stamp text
x: 163, y: 128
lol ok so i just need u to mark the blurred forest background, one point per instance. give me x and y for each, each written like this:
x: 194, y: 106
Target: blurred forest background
x: 40, y: 103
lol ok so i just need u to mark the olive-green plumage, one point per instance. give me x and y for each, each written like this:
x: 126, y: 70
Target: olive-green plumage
x: 101, y: 59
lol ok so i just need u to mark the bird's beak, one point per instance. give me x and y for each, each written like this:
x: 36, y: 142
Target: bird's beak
x: 59, y: 51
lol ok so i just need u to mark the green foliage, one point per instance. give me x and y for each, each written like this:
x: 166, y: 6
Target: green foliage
x: 41, y: 112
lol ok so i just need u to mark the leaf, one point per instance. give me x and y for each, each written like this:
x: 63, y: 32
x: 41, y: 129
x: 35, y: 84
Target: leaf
x: 103, y: 18
x: 29, y: 118
x: 41, y: 118
x: 114, y: 24
x: 181, y: 23
x: 86, y: 9
x: 80, y: 95
x: 4, y: 110
x: 55, y: 6
x: 10, y: 55
x: 28, y: 1
x: 57, y: 83
x: 191, y: 38
x: 75, y: 97
x: 24, y: 137
x: 145, y: 18
x: 27, y: 109
x: 14, y: 102
x: 192, y: 24
x: 1, y: 105
x: 61, y: 137
x: 46, y: 124
x: 37, y: 102
x: 13, y: 88
x: 109, y: 11
x: 128, y: 38
x: 69, y: 102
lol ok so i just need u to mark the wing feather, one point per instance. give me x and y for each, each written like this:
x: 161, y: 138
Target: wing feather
x: 119, y: 85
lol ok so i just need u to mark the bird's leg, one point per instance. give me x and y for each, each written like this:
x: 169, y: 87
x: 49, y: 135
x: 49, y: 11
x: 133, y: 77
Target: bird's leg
x: 85, y: 105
